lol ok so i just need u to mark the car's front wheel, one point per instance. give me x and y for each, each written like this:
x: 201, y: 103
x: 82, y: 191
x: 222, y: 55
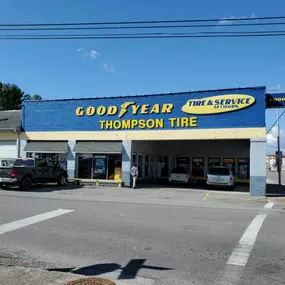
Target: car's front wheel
x: 62, y: 181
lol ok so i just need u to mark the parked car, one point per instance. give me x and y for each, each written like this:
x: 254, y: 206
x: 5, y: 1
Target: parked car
x: 26, y: 172
x: 220, y: 176
x: 180, y: 175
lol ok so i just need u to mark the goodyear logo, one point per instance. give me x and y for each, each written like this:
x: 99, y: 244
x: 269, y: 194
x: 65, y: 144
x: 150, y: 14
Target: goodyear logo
x: 218, y: 104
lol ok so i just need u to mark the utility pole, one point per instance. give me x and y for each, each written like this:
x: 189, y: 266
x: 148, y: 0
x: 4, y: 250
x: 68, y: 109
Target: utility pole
x: 279, y: 157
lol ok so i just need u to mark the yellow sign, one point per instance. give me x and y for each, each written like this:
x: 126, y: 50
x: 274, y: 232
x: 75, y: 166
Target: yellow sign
x: 218, y: 104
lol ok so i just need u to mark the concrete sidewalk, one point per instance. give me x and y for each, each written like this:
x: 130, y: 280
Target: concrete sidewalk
x: 13, y: 275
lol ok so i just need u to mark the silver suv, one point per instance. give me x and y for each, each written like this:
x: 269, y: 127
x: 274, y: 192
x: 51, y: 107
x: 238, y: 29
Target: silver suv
x: 220, y: 176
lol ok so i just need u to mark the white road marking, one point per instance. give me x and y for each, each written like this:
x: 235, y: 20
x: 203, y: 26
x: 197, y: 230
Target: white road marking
x: 32, y: 220
x: 242, y: 252
x: 269, y: 205
x: 239, y: 257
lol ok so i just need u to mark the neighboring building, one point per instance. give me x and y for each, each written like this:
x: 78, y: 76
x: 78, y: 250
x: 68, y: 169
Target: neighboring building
x: 10, y: 128
x: 100, y: 138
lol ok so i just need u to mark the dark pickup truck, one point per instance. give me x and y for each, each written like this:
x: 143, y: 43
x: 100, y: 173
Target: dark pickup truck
x: 26, y: 172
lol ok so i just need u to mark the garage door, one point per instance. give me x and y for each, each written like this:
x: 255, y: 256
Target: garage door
x: 8, y: 149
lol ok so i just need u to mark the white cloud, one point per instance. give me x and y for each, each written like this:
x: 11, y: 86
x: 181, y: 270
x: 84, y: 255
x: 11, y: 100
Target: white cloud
x: 80, y: 49
x: 272, y: 139
x: 109, y: 67
x: 227, y: 20
x: 92, y: 54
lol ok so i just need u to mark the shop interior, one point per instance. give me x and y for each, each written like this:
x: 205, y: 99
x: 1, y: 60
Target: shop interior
x: 157, y: 159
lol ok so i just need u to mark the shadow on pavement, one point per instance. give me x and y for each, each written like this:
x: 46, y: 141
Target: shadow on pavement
x: 130, y: 271
x: 274, y: 190
x: 46, y: 188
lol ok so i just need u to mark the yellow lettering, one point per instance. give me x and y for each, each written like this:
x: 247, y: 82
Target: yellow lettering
x: 126, y: 124
x: 134, y: 123
x: 102, y: 124
x: 142, y: 124
x: 159, y: 123
x: 79, y: 111
x: 144, y: 109
x: 90, y: 111
x: 117, y: 124
x: 167, y: 108
x: 150, y: 124
x: 184, y: 122
x: 101, y: 110
x: 193, y: 122
x: 135, y: 109
x: 172, y: 122
x: 155, y: 109
x: 112, y: 110
x: 109, y: 125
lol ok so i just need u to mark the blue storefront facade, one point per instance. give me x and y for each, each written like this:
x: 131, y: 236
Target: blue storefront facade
x: 109, y: 134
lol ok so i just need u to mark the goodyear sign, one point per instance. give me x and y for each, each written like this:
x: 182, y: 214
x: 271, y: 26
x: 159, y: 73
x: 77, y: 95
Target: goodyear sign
x: 202, y: 110
x: 276, y: 100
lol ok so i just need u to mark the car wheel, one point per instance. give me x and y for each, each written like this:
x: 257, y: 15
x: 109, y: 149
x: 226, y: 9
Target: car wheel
x: 26, y: 183
x: 62, y: 181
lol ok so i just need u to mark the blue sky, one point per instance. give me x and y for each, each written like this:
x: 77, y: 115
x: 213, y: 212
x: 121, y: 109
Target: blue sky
x: 72, y: 69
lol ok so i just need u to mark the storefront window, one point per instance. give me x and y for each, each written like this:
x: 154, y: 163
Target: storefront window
x: 198, y: 166
x: 52, y: 159
x: 114, y: 166
x: 243, y: 168
x: 213, y: 161
x: 163, y: 166
x: 183, y: 162
x: 230, y: 163
x: 99, y: 166
x: 85, y: 166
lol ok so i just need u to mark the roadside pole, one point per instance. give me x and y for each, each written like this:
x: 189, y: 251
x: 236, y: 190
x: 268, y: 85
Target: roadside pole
x: 278, y: 158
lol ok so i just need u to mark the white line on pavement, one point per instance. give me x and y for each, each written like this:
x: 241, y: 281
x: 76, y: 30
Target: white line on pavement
x: 269, y: 205
x: 32, y: 220
x: 239, y: 257
x: 242, y: 252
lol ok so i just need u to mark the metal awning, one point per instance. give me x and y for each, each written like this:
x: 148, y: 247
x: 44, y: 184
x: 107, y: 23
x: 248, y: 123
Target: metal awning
x: 98, y: 147
x: 46, y: 147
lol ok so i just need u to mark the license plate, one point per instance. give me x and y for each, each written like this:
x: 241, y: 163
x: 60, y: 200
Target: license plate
x: 218, y: 179
x: 177, y: 177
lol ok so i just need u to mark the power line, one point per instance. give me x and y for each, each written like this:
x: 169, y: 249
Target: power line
x: 142, y: 37
x: 146, y: 34
x: 143, y: 27
x: 146, y: 22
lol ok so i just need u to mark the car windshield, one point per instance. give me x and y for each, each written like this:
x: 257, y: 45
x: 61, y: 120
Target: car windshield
x: 24, y: 163
x: 7, y: 162
x: 180, y: 170
x: 219, y: 171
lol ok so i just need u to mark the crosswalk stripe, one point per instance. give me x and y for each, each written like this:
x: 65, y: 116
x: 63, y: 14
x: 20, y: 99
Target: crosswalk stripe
x: 32, y: 220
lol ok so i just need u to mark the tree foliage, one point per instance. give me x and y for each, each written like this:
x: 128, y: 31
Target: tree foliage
x: 11, y: 97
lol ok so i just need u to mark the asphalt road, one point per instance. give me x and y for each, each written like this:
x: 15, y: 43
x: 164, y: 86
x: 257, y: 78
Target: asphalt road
x: 162, y: 236
x: 272, y: 177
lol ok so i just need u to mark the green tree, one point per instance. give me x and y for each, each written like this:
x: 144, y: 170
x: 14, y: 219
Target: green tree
x: 11, y: 97
x: 28, y: 97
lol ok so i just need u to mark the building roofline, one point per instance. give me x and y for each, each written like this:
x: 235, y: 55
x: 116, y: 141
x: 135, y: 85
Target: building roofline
x: 147, y: 95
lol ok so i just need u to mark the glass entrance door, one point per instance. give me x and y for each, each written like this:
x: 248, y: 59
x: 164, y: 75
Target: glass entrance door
x: 99, y: 166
